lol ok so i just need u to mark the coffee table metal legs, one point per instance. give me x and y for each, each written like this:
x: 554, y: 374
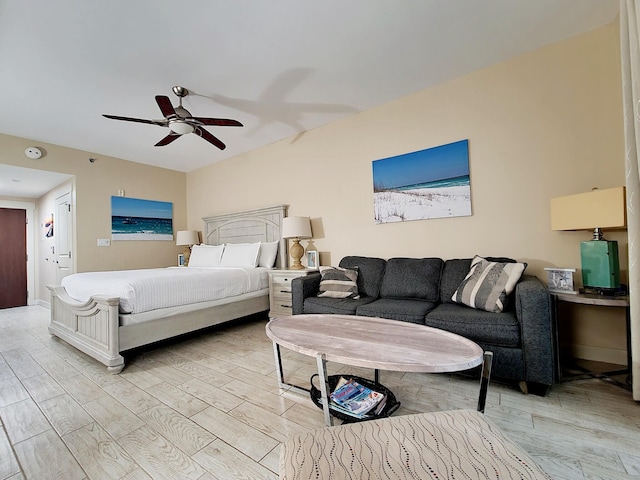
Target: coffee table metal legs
x: 487, y: 360
x: 279, y: 372
x: 324, y: 388
x: 324, y: 381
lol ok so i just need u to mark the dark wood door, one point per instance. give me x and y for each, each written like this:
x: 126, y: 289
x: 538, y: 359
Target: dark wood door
x: 13, y: 266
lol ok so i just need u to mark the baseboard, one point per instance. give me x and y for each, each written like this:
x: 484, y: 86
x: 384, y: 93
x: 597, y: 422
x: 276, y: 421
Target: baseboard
x: 599, y: 354
x: 44, y: 304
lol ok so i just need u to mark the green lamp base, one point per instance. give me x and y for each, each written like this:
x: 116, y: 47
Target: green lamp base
x: 600, y: 264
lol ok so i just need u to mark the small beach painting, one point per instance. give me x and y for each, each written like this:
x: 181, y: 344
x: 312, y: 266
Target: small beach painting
x: 431, y: 183
x: 136, y: 219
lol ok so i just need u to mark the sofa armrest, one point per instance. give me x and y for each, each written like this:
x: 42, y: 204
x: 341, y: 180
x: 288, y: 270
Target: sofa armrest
x: 301, y: 288
x: 534, y: 312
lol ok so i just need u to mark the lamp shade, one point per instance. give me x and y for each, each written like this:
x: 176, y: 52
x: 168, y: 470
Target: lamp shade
x: 186, y: 237
x: 296, y: 227
x: 597, y: 210
x: 586, y: 211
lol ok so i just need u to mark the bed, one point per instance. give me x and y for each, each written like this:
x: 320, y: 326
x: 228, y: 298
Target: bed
x: 103, y: 326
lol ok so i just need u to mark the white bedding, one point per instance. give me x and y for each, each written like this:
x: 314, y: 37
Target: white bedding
x: 149, y: 289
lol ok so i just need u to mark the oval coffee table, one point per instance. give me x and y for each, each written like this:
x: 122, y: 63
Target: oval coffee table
x: 376, y: 343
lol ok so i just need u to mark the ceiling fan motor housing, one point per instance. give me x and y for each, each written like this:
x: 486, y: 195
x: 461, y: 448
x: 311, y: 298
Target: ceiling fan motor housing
x: 180, y: 91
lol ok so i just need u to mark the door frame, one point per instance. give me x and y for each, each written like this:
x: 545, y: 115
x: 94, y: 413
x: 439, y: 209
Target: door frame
x: 31, y: 256
x: 68, y: 231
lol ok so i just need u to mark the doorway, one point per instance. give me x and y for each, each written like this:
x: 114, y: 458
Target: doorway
x: 29, y: 208
x: 13, y: 267
x: 63, y: 237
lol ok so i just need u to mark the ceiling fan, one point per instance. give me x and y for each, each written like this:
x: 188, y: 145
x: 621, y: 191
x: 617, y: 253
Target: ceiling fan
x: 181, y: 122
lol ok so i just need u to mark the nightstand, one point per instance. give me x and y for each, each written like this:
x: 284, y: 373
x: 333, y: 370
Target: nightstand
x: 280, y: 290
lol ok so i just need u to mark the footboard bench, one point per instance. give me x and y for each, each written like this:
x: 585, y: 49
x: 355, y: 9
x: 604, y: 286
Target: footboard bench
x: 91, y: 327
x: 451, y: 444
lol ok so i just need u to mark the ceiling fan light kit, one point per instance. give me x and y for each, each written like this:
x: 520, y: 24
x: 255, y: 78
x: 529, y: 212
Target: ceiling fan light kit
x: 181, y: 127
x: 181, y: 122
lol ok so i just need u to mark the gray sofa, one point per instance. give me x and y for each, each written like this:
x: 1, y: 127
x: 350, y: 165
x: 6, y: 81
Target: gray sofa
x: 419, y: 290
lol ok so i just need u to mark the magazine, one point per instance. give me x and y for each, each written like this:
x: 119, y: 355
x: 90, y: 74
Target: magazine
x: 355, y: 399
x: 380, y: 407
x: 337, y: 408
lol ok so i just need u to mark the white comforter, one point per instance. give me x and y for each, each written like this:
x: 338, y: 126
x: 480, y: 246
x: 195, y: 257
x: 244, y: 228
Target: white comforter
x: 150, y: 289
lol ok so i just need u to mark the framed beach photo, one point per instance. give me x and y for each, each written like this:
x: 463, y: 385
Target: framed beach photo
x: 430, y: 183
x: 312, y: 259
x: 181, y: 260
x: 560, y: 280
x: 139, y: 219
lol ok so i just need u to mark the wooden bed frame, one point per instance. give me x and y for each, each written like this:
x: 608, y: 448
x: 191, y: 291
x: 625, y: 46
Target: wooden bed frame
x: 95, y: 328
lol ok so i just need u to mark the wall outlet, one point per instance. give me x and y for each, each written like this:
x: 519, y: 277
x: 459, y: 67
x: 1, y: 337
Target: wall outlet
x: 104, y: 242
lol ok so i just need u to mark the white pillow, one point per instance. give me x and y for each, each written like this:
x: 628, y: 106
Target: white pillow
x: 268, y: 254
x: 205, y: 255
x: 240, y: 255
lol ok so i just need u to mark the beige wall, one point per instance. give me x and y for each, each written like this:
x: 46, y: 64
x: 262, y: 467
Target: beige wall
x: 94, y: 184
x: 544, y: 124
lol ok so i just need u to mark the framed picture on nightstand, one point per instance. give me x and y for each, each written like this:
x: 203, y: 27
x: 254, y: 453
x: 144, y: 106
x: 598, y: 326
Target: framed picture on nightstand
x: 312, y: 259
x: 560, y: 280
x: 181, y: 260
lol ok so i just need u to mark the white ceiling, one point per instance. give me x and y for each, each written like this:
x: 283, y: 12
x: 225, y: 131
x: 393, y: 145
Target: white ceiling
x: 280, y: 67
x: 28, y: 182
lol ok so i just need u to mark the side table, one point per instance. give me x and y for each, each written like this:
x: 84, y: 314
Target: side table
x: 602, y: 301
x: 280, y: 290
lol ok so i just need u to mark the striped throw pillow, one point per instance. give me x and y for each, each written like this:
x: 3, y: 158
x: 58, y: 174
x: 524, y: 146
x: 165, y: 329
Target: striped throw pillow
x: 488, y: 284
x: 337, y: 282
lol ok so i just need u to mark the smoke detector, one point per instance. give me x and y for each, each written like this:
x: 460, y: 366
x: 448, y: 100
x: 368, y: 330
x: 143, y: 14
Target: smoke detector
x: 33, y: 153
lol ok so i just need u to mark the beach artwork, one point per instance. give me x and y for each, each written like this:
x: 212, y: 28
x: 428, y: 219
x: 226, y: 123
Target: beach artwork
x: 136, y: 219
x: 431, y: 183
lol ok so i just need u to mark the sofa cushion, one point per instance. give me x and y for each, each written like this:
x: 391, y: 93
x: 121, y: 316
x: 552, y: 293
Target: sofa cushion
x: 407, y: 310
x: 488, y: 284
x: 453, y: 274
x: 478, y: 325
x: 340, y: 306
x: 338, y: 282
x: 370, y: 272
x: 412, y: 278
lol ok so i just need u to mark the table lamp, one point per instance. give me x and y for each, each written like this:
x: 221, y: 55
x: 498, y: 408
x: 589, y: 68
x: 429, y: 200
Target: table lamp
x: 187, y: 238
x: 595, y: 210
x: 296, y: 228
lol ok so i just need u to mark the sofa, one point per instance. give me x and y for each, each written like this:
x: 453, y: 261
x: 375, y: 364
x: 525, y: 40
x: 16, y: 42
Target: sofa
x: 420, y: 290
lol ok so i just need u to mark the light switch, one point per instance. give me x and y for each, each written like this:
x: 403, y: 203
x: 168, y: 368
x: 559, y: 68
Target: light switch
x: 104, y: 242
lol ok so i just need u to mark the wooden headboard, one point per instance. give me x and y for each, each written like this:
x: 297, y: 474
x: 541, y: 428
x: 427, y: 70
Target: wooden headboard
x: 260, y: 225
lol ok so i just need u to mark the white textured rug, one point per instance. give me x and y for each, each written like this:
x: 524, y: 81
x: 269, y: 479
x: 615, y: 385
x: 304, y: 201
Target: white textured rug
x: 457, y: 444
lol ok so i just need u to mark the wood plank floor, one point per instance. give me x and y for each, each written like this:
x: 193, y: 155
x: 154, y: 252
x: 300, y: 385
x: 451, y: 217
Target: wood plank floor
x: 208, y: 407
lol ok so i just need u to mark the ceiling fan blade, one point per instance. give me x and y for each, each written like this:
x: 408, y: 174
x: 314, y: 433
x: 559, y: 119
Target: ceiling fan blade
x: 209, y: 138
x: 167, y: 140
x: 223, y: 122
x: 162, y: 123
x: 165, y: 106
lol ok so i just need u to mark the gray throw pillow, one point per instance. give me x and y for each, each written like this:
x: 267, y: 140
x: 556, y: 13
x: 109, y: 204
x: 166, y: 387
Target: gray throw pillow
x: 338, y: 282
x: 488, y: 284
